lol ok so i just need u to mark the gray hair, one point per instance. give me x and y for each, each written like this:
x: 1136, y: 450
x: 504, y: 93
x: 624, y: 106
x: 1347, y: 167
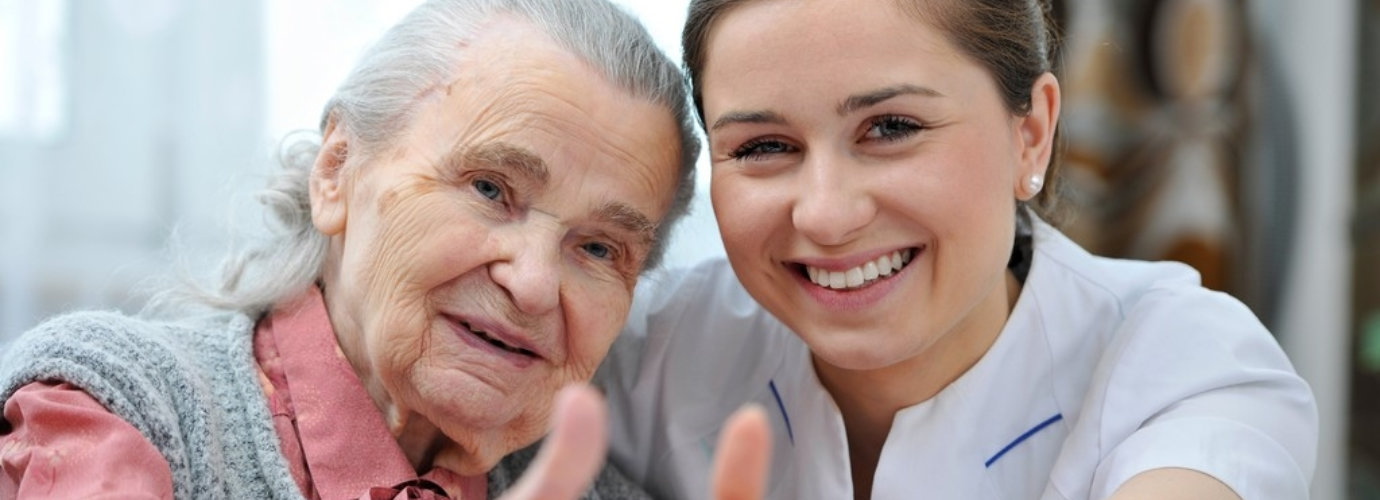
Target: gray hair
x: 379, y: 98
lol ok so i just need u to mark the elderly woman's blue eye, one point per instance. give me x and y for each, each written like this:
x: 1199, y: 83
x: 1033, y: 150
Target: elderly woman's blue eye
x: 598, y: 250
x: 488, y: 189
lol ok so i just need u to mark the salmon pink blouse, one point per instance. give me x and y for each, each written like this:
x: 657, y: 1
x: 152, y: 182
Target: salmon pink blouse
x: 57, y: 441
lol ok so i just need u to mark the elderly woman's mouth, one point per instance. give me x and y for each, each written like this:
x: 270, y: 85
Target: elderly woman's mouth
x: 494, y: 339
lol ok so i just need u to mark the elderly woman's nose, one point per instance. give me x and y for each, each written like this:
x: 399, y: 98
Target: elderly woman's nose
x: 832, y: 203
x: 529, y: 270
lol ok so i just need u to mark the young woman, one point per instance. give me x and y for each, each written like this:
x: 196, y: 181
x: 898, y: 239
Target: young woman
x: 898, y: 302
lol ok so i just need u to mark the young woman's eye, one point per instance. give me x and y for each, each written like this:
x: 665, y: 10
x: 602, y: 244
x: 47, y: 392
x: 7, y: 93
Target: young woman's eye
x: 488, y: 189
x: 758, y: 149
x: 891, y: 128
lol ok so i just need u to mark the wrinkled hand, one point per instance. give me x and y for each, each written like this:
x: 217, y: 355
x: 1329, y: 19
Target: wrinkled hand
x: 574, y: 452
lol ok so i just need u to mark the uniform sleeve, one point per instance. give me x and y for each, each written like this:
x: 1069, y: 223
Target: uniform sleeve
x: 633, y: 375
x: 59, y: 442
x: 1196, y: 382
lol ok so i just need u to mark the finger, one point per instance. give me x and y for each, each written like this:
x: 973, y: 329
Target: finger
x: 574, y: 451
x: 740, y: 469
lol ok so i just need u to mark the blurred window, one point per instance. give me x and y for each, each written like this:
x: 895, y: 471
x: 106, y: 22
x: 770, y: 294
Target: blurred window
x: 32, y: 80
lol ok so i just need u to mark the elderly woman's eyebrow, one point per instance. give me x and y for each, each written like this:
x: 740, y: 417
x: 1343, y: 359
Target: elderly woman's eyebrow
x: 629, y: 219
x: 526, y: 164
x: 517, y: 160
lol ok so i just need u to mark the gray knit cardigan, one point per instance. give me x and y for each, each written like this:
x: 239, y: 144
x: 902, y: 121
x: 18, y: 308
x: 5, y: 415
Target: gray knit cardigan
x: 191, y: 387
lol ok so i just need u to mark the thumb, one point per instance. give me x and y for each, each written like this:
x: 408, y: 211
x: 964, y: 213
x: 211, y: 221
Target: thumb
x: 740, y: 469
x: 574, y: 451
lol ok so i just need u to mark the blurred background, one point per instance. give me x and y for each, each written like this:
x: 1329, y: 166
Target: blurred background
x: 1236, y: 135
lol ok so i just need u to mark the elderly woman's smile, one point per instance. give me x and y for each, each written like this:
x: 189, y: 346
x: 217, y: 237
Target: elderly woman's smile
x: 499, y: 338
x: 479, y: 314
x: 488, y: 259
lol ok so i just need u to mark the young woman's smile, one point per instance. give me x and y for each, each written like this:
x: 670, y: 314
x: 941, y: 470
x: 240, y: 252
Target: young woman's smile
x: 865, y: 183
x: 856, y: 282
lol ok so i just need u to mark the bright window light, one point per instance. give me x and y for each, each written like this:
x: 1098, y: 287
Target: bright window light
x: 32, y: 86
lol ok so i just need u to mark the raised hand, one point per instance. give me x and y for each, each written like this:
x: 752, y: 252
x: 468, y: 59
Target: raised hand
x: 574, y: 452
x: 740, y: 469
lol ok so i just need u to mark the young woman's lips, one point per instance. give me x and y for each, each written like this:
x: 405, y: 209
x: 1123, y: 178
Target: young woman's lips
x: 856, y: 287
x: 493, y: 343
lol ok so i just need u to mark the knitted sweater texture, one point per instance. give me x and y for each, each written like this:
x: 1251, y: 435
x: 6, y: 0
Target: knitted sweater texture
x: 191, y: 387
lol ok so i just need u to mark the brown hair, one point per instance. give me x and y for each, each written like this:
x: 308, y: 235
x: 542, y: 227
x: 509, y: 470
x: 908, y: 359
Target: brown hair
x: 1015, y: 40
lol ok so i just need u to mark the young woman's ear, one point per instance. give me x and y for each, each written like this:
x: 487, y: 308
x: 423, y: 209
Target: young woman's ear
x: 328, y: 201
x: 1036, y: 133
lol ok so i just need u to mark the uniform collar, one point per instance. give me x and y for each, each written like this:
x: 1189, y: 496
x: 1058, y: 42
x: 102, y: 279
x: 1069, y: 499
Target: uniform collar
x: 988, y: 412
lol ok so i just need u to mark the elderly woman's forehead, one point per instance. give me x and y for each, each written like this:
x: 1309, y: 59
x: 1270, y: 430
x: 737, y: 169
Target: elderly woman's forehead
x: 506, y: 41
x: 511, y: 56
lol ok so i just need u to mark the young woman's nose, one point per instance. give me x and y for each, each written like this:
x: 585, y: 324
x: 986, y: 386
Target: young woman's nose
x: 832, y: 205
x: 529, y: 270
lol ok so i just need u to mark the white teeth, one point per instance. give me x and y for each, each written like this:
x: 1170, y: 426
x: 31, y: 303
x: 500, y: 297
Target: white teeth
x: 855, y: 277
x: 858, y: 276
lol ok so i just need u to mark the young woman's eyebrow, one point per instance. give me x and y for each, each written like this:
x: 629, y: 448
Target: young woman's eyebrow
x: 733, y: 117
x: 849, y: 105
x: 875, y: 97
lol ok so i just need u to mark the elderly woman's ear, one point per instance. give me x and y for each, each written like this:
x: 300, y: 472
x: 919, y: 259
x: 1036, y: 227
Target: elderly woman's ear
x: 327, y: 185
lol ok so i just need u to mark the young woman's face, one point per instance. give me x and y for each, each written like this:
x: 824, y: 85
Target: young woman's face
x: 865, y: 175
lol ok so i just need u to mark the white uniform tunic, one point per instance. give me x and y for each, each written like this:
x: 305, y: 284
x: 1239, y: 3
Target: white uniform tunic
x: 1105, y: 369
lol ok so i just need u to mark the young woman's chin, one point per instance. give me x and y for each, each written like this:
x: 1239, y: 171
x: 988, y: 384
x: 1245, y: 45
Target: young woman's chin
x: 861, y: 350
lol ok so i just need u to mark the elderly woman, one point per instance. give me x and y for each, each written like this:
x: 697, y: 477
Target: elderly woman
x: 463, y: 242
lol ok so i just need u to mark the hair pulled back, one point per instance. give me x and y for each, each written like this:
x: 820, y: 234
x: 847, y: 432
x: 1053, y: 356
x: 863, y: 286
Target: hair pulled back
x: 1016, y: 41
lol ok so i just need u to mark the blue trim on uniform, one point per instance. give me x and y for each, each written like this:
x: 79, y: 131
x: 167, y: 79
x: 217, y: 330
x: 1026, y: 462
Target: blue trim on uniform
x: 1057, y: 417
x: 789, y: 433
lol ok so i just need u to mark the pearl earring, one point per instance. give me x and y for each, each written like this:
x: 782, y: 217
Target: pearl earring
x: 1035, y: 183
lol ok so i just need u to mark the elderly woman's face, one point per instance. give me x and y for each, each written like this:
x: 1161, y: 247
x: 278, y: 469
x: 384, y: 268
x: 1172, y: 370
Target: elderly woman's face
x: 489, y: 259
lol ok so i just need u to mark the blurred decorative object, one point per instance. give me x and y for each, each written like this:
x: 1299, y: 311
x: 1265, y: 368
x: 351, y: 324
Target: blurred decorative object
x: 1173, y: 152
x: 1368, y: 345
x: 1365, y: 373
